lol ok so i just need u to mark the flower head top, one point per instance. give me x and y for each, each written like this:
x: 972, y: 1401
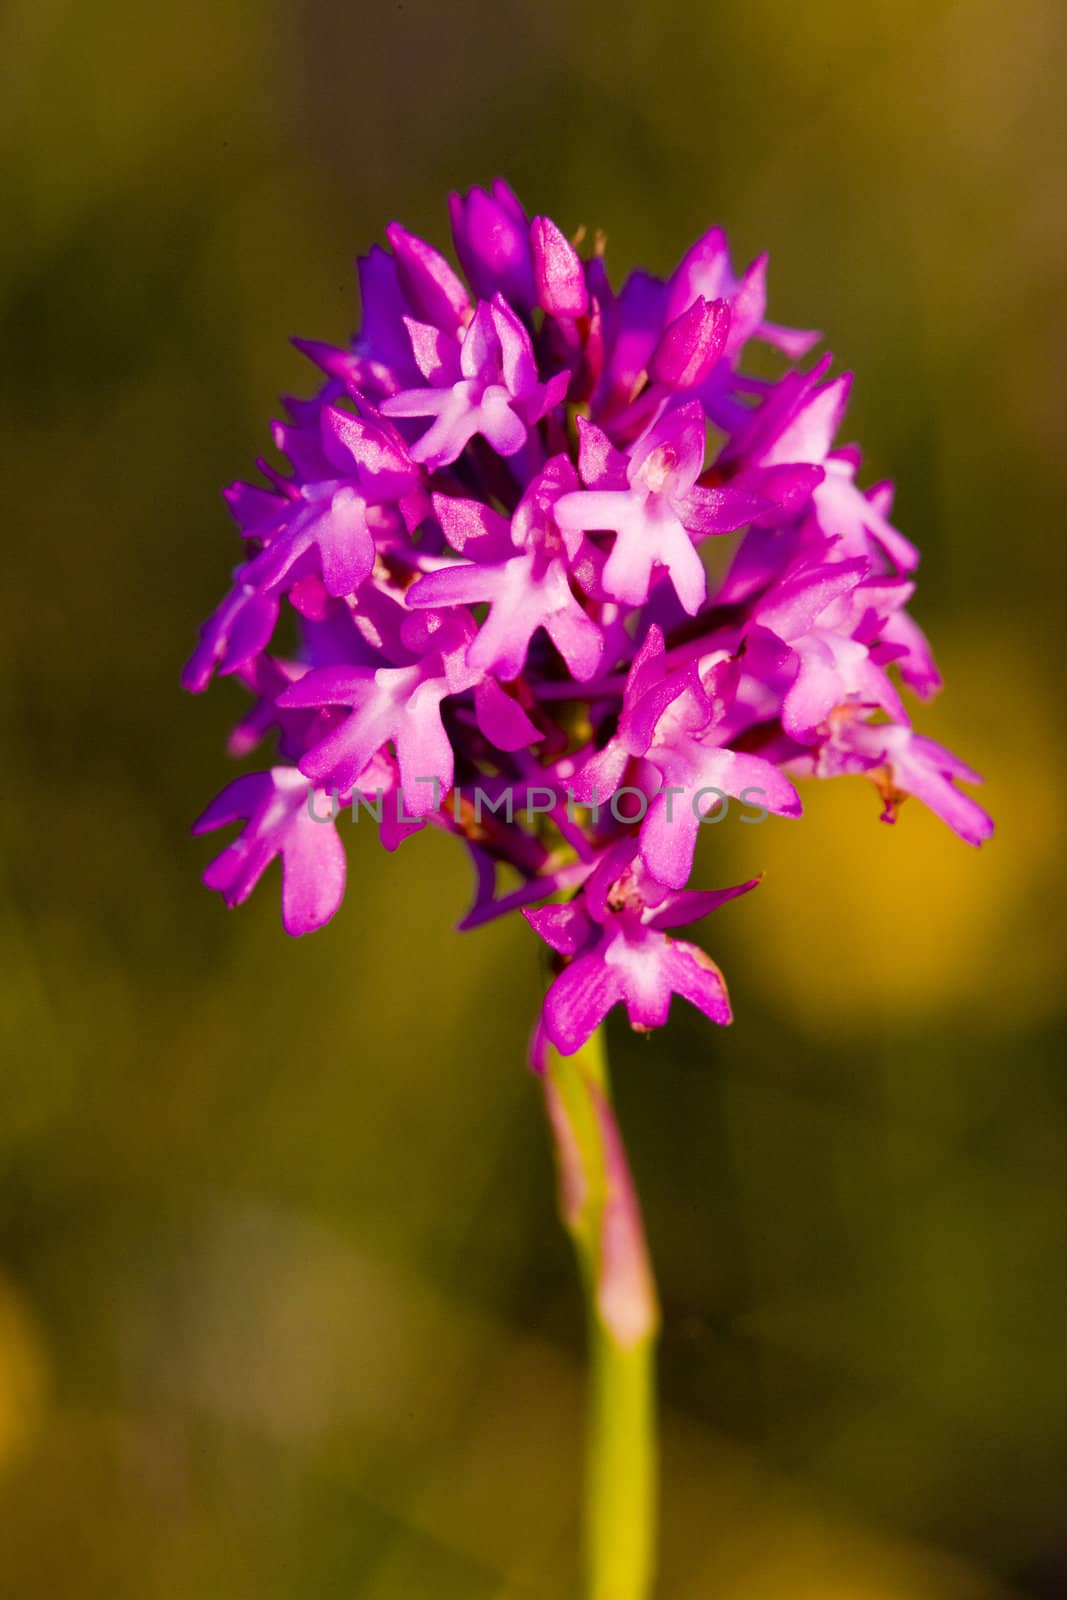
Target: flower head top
x: 488, y: 532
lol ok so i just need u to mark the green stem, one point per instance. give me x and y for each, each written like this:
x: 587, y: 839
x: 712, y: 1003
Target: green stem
x: 599, y: 1208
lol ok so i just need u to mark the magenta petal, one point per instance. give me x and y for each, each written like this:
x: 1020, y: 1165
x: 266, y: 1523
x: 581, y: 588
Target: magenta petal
x: 815, y: 692
x: 703, y: 270
x: 578, y: 1002
x: 787, y: 489
x: 517, y: 364
x: 601, y: 775
x: 328, y: 686
x: 338, y: 760
x: 345, y: 543
x: 926, y: 770
x: 933, y: 754
x: 256, y: 511
x: 238, y: 799
x: 249, y: 631
x: 647, y: 536
x: 917, y: 666
x: 682, y: 693
x: 642, y: 977
x: 669, y: 455
x: 739, y: 774
x: 793, y: 609
x: 810, y: 434
x: 600, y: 464
x: 691, y: 345
x: 792, y: 342
x: 502, y: 719
x: 490, y: 234
x: 692, y: 905
x: 236, y: 872
x: 383, y: 341
x: 694, y: 976
x: 577, y: 638
x: 711, y: 511
x: 436, y: 353
x: 668, y: 838
x: 473, y: 528
x: 369, y: 448
x: 240, y: 629
x: 423, y: 751
x: 561, y: 290
x: 274, y: 806
x: 461, y: 583
x: 647, y: 666
x: 436, y: 292
x: 504, y: 430
x: 565, y: 928
x: 313, y: 874
x: 748, y: 303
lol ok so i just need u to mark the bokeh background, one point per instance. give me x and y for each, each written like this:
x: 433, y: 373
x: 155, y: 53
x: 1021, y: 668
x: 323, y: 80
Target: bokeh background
x: 284, y: 1308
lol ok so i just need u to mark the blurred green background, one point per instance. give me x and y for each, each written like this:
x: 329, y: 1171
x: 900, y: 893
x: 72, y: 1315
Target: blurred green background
x: 284, y: 1308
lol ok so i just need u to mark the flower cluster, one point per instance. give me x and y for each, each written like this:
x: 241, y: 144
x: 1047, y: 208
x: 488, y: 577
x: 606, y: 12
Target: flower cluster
x: 489, y: 533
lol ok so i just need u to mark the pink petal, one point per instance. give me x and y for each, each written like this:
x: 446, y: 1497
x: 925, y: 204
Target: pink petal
x: 694, y: 976
x: 501, y: 718
x: 437, y: 293
x: 691, y: 344
x: 313, y: 875
x: 561, y: 290
x: 578, y: 1002
x: 564, y: 928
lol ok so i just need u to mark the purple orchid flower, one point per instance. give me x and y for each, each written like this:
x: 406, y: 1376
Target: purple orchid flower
x: 375, y: 489
x: 397, y: 704
x: 650, y: 501
x: 669, y: 721
x: 487, y: 539
x: 278, y: 822
x: 705, y: 271
x: 813, y: 626
x: 619, y: 952
x: 901, y: 763
x: 492, y: 239
x: 235, y: 633
x: 520, y: 569
x: 796, y: 425
x: 486, y: 384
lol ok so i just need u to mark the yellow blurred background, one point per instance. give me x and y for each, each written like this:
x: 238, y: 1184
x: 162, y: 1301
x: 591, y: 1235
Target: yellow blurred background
x: 284, y: 1308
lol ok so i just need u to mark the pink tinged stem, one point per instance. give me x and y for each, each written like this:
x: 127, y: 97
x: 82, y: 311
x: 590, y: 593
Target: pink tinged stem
x: 600, y: 1210
x: 570, y: 1173
x: 626, y: 1292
